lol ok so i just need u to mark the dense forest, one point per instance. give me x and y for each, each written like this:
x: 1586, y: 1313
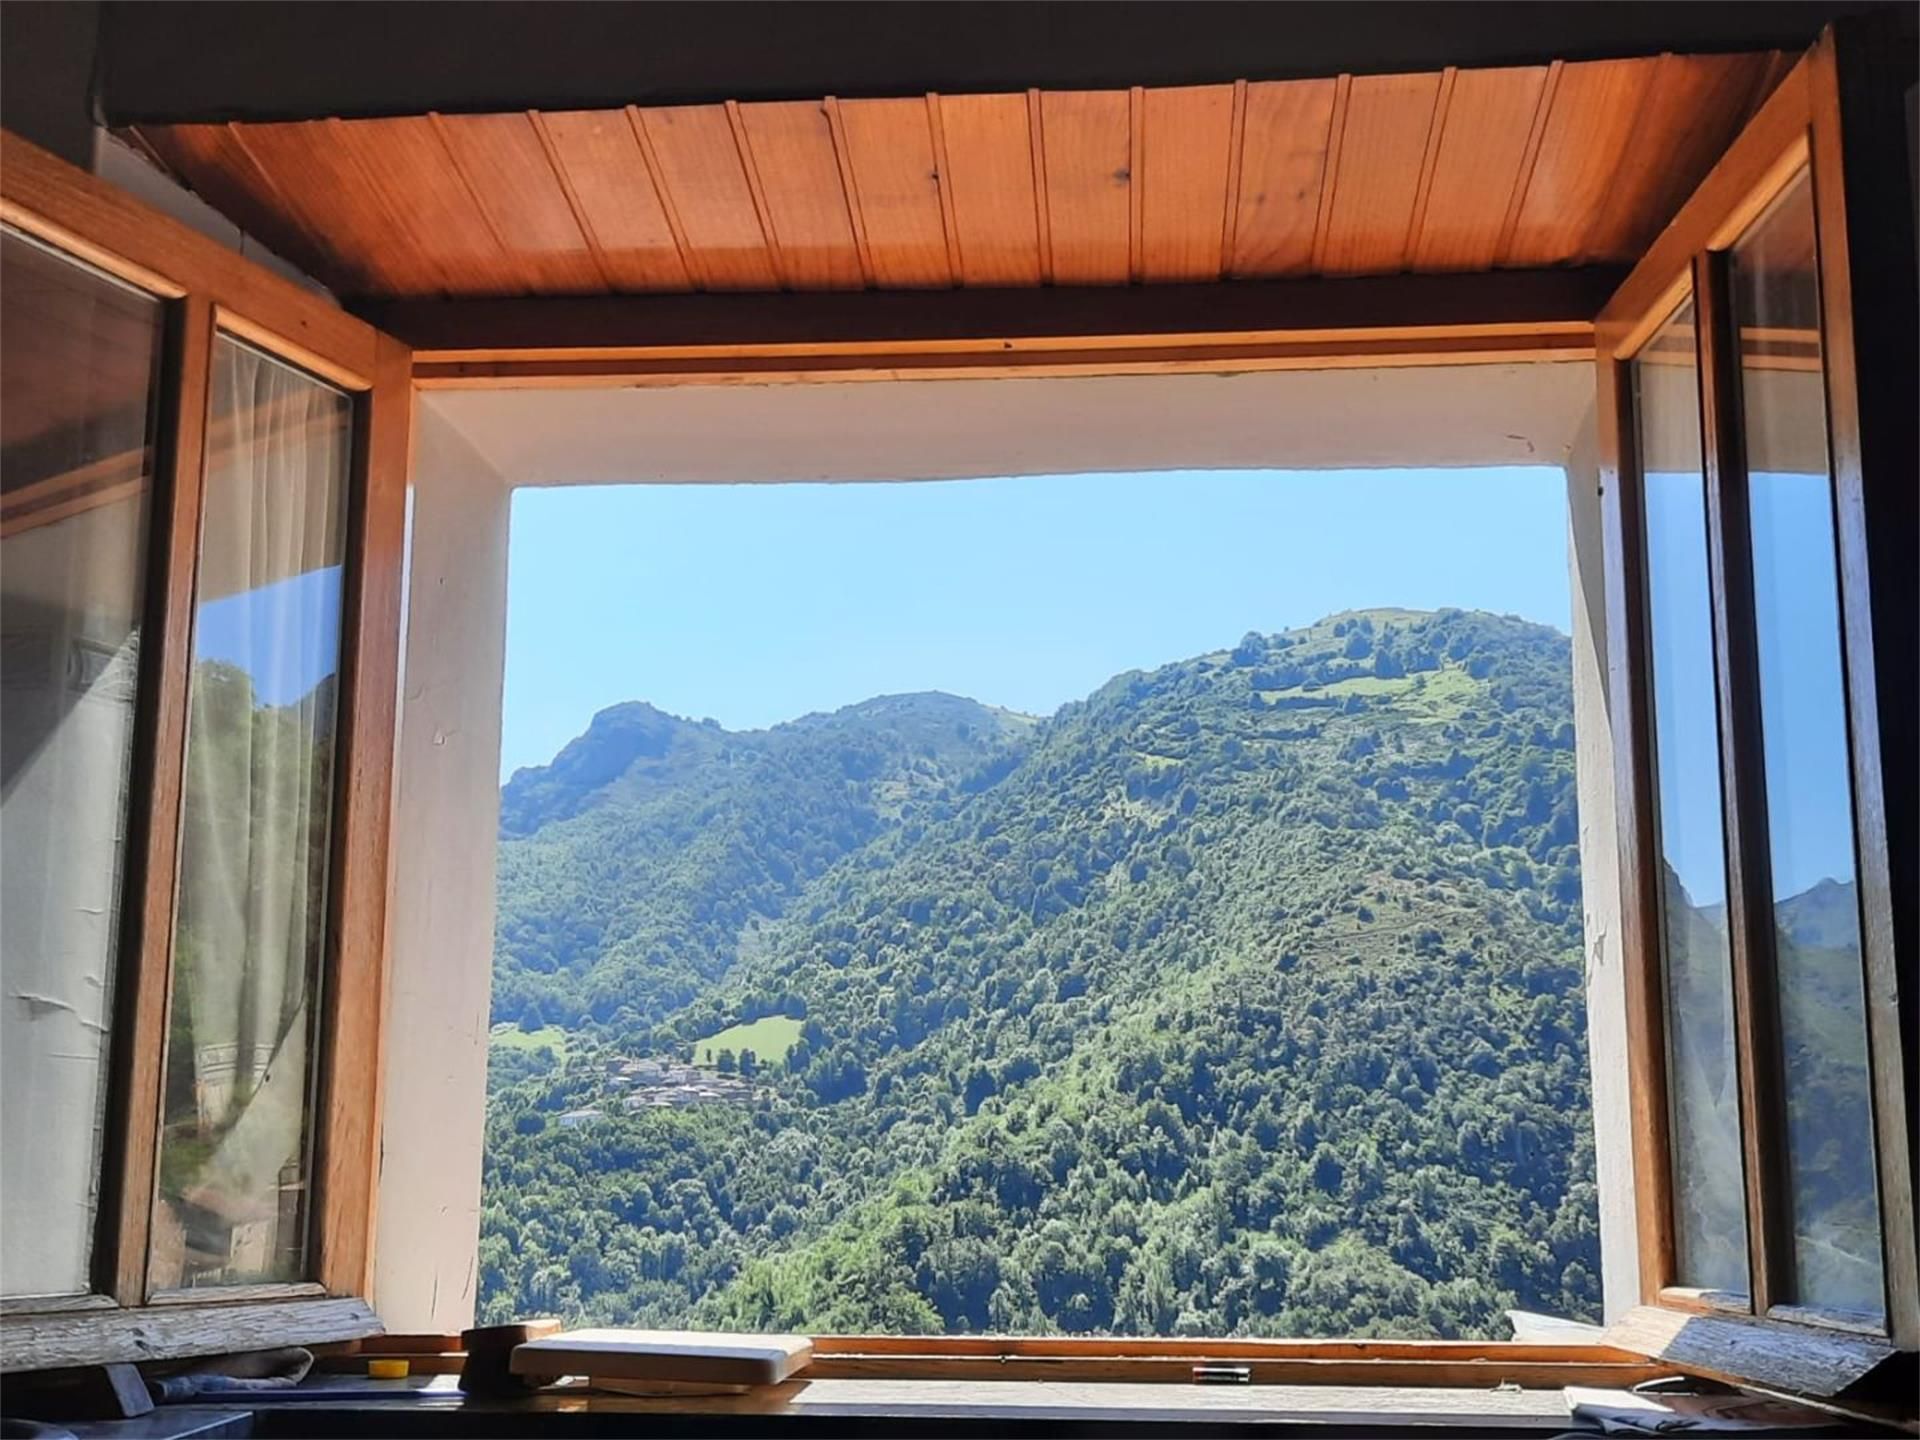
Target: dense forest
x: 1243, y: 997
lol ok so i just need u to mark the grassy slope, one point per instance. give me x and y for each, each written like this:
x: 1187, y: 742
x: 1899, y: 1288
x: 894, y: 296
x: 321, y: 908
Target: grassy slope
x: 769, y: 1038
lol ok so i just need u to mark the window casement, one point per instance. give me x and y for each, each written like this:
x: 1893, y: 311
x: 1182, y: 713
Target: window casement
x: 1747, y: 465
x: 204, y: 508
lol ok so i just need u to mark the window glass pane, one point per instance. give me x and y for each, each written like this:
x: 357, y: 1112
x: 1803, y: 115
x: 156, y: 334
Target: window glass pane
x: 77, y: 404
x: 255, y: 830
x: 1710, y: 1222
x: 1830, y: 1152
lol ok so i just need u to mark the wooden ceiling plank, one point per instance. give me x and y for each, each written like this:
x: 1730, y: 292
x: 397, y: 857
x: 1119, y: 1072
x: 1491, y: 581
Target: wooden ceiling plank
x: 434, y: 213
x: 1283, y: 162
x: 1588, y: 130
x: 599, y: 162
x: 758, y: 195
x: 506, y: 167
x: 1188, y: 132
x: 1137, y: 179
x: 451, y: 165
x: 578, y: 211
x: 1330, y: 170
x: 700, y: 168
x: 210, y: 161
x: 896, y: 191
x: 788, y: 146
x: 689, y: 257
x: 323, y: 193
x: 1481, y: 147
x: 1043, y: 219
x: 989, y: 174
x: 1529, y: 157
x: 1236, y: 144
x: 855, y: 216
x: 1087, y: 138
x: 1429, y: 162
x: 943, y: 174
x: 1694, y: 106
x: 1383, y: 146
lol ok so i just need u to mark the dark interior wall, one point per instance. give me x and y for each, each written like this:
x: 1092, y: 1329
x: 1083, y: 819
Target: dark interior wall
x: 193, y: 60
x: 47, y: 52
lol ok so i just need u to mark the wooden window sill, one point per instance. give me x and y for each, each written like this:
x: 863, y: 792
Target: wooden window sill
x: 1811, y: 1360
x: 167, y: 1332
x: 433, y: 1406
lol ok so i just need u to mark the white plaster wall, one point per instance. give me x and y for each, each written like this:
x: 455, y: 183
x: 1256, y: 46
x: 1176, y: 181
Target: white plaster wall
x: 1600, y: 882
x: 1440, y: 415
x: 447, y: 811
x: 473, y: 446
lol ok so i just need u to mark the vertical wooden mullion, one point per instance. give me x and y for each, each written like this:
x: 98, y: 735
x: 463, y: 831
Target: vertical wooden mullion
x: 1750, y: 922
x: 353, y: 1000
x: 1628, y: 693
x: 1857, y: 83
x: 137, y: 1068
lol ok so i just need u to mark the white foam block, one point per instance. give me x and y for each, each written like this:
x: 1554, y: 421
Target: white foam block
x: 666, y: 1355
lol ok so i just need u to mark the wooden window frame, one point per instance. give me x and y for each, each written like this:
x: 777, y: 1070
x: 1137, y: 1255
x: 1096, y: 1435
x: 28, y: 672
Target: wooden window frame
x: 1798, y: 130
x: 208, y: 289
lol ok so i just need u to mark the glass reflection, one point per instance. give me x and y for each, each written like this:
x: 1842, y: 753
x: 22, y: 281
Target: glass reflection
x: 1830, y: 1146
x: 256, y: 829
x: 1710, y: 1220
x: 79, y: 357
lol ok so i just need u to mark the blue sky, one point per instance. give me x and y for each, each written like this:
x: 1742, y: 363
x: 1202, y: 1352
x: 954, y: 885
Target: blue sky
x: 754, y: 604
x: 1803, y: 710
x: 285, y: 635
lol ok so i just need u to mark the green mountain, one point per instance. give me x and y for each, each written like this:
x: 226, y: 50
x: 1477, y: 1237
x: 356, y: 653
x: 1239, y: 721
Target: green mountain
x: 636, y: 865
x: 1242, y: 997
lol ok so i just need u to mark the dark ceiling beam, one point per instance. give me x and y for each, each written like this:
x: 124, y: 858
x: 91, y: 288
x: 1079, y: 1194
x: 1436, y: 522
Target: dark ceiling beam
x: 1397, y: 319
x: 187, y: 60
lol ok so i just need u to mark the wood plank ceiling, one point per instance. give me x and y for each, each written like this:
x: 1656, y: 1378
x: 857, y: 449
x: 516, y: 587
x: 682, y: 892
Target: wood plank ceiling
x: 1456, y: 170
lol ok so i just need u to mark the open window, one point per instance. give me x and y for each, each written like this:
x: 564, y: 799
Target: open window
x: 1752, y: 486
x: 206, y: 524
x: 202, y: 530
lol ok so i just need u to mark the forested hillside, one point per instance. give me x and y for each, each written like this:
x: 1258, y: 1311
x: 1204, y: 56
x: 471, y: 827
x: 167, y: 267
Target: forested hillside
x: 634, y: 867
x: 1242, y: 997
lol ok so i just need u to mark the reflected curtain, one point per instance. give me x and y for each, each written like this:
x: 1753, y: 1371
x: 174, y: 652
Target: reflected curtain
x: 256, y: 828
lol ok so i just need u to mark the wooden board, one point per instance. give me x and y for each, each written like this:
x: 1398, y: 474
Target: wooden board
x: 599, y: 161
x: 406, y: 165
x: 1283, y: 164
x: 503, y: 161
x: 888, y: 147
x: 1802, y: 1359
x: 1086, y: 140
x: 682, y: 1356
x: 1590, y: 124
x: 790, y: 149
x: 1522, y: 166
x: 988, y: 173
x: 1383, y: 148
x: 1186, y: 140
x: 104, y: 1337
x: 322, y: 193
x: 696, y: 161
x: 1700, y: 101
x: 1477, y: 167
